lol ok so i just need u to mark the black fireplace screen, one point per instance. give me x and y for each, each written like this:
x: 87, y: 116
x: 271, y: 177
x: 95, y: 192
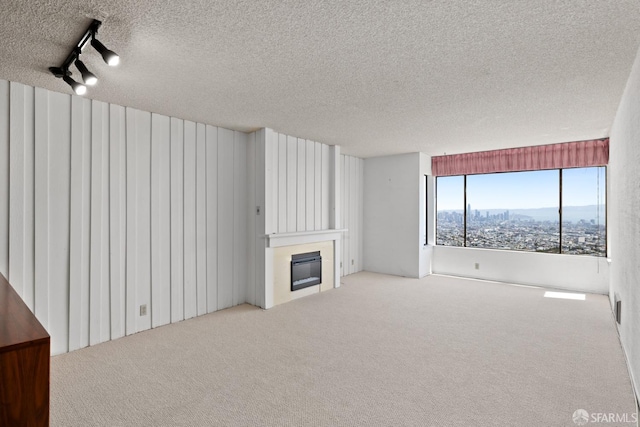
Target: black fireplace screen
x: 306, y: 270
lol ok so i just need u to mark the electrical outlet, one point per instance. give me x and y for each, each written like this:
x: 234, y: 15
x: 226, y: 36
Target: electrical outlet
x: 353, y: 262
x: 143, y: 310
x: 477, y: 266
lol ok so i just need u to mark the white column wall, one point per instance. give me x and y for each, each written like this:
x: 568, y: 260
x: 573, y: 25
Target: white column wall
x: 352, y: 198
x: 105, y: 208
x: 297, y: 185
x: 393, y: 225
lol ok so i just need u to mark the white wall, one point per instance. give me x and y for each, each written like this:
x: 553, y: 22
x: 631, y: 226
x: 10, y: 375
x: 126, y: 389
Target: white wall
x: 623, y: 206
x: 352, y: 212
x: 105, y: 208
x: 426, y: 215
x: 393, y: 224
x: 571, y: 272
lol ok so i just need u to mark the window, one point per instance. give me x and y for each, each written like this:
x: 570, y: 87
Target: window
x: 583, y: 211
x: 514, y: 210
x: 551, y: 211
x: 450, y: 210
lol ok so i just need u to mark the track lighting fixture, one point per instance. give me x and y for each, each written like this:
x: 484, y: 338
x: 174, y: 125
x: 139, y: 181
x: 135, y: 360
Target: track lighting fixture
x: 90, y: 79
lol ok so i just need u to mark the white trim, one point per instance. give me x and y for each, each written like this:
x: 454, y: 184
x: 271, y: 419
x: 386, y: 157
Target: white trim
x: 277, y: 240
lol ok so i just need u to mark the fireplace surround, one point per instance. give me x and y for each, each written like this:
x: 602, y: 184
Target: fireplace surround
x: 280, y: 249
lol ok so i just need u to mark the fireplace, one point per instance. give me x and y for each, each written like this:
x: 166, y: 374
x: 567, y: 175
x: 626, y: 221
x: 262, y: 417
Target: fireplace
x: 306, y: 270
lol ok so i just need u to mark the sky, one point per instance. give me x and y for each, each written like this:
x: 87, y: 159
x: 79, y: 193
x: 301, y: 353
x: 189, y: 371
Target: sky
x: 523, y: 190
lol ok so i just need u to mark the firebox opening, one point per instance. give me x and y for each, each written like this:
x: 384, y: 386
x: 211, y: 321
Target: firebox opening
x: 306, y: 270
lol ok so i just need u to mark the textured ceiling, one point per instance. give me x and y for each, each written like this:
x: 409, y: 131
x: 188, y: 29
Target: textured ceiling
x: 377, y: 77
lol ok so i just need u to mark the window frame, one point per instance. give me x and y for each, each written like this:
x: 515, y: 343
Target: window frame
x: 560, y: 211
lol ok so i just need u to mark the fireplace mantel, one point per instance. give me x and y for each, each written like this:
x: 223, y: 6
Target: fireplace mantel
x: 277, y: 240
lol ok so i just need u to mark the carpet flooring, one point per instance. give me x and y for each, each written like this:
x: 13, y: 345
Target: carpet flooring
x: 378, y: 351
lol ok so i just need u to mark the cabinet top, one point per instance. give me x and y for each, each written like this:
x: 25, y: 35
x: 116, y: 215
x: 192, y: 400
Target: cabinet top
x: 18, y: 325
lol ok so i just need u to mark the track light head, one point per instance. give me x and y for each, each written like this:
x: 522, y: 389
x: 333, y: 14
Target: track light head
x: 109, y: 56
x: 78, y: 88
x: 88, y: 77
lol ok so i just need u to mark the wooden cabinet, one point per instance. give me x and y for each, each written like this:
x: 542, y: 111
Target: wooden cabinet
x: 24, y: 363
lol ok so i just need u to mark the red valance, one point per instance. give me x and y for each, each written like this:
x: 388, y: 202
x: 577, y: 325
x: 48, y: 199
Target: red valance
x: 554, y: 156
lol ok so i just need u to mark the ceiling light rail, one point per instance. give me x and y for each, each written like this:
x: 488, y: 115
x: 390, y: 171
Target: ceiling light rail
x: 89, y: 79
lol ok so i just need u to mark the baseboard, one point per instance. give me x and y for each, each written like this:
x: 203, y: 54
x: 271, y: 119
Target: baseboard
x: 634, y: 385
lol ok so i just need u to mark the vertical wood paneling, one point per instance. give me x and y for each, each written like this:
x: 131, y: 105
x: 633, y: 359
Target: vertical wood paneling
x: 190, y: 263
x: 253, y: 215
x: 143, y: 226
x: 346, y: 174
x: 240, y: 218
x: 272, y: 190
x: 177, y: 220
x: 108, y: 208
x: 353, y: 197
x: 16, y: 194
x: 99, y: 326
x: 160, y: 220
x: 345, y: 214
x: 41, y: 217
x: 80, y: 232
x: 4, y: 177
x: 283, y: 206
x: 212, y: 218
x: 29, y: 209
x: 360, y: 215
x: 21, y: 141
x: 317, y: 187
x: 225, y: 218
x: 301, y: 187
x: 310, y: 207
x: 59, y: 184
x: 348, y: 203
x: 132, y: 210
x: 201, y: 220
x: 272, y: 209
x: 343, y: 196
x: 138, y: 218
x: 326, y: 191
x: 292, y: 181
x: 117, y: 218
x: 264, y: 198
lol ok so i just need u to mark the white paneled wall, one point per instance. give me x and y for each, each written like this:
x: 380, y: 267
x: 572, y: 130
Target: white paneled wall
x: 105, y: 208
x: 352, y: 174
x: 300, y: 188
x: 297, y: 186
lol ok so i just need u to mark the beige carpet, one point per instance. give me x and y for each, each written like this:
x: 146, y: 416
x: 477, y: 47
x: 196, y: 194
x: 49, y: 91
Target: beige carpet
x: 379, y: 351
